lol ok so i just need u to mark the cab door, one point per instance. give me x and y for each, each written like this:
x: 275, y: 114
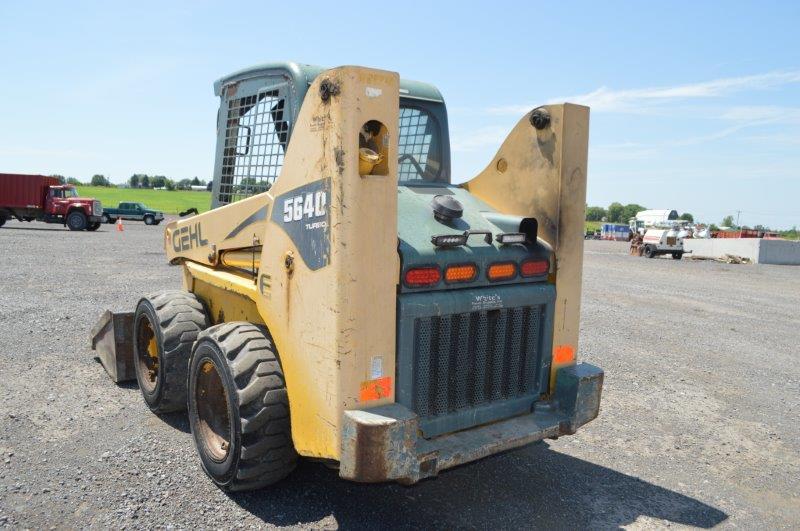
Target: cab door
x: 54, y: 204
x: 126, y: 211
x: 252, y: 136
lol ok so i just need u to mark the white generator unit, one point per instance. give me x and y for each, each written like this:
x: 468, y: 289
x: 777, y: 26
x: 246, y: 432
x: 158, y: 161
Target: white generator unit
x: 663, y: 241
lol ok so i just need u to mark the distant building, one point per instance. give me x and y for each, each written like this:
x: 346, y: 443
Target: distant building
x: 656, y: 217
x: 198, y: 187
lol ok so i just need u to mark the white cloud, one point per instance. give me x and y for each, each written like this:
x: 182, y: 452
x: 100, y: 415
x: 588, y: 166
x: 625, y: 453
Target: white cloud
x: 763, y: 114
x: 489, y: 136
x: 604, y: 99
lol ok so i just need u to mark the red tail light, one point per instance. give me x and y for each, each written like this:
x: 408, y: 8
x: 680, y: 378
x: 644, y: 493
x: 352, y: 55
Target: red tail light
x: 422, y: 276
x: 534, y: 268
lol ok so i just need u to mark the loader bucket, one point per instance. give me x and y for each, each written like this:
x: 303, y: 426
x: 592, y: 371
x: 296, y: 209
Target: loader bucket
x: 112, y: 339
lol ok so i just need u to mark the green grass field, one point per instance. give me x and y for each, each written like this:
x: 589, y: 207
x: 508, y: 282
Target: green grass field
x: 593, y: 225
x: 163, y: 200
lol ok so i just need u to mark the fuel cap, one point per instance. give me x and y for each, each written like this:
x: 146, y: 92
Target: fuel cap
x: 446, y: 207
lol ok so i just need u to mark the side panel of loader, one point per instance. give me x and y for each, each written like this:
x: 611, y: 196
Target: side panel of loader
x: 328, y: 296
x: 328, y: 264
x: 541, y: 172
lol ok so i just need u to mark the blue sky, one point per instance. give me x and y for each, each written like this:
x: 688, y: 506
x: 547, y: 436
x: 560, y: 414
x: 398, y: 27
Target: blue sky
x: 695, y: 105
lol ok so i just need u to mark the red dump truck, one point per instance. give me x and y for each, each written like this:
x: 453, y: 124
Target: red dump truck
x: 42, y: 198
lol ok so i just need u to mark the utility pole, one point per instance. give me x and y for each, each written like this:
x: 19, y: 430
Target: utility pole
x: 737, y: 217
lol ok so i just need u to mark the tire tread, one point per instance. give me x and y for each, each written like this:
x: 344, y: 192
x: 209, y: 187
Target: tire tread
x: 181, y: 318
x: 267, y: 454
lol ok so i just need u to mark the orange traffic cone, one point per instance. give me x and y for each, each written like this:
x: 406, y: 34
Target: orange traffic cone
x: 119, y: 225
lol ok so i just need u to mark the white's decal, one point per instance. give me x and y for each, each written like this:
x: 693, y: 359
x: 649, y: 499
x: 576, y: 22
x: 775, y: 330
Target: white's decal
x: 487, y: 302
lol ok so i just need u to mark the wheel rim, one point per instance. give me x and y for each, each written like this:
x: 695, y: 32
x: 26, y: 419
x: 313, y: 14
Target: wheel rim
x: 147, y: 364
x: 213, y: 426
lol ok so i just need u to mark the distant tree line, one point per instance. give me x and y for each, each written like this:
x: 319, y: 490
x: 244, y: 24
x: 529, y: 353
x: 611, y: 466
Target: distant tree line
x: 615, y: 213
x: 141, y: 180
x: 96, y: 180
x: 138, y: 180
x: 619, y: 213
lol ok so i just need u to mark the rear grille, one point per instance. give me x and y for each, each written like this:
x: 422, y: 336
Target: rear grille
x: 465, y: 360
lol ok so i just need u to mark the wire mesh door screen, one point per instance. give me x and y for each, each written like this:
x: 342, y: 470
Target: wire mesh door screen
x: 415, y: 138
x: 256, y: 135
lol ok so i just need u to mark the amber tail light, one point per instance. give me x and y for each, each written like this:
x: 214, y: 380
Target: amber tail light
x: 460, y: 273
x: 502, y: 271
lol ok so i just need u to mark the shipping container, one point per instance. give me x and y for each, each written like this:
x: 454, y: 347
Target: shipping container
x: 612, y: 231
x: 24, y: 191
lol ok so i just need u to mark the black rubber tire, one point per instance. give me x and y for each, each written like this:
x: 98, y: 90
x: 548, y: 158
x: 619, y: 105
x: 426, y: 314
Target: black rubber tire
x: 649, y: 252
x: 93, y: 226
x: 157, y: 222
x: 677, y: 255
x: 260, y: 451
x: 105, y: 219
x: 176, y: 318
x: 2, y: 220
x: 76, y: 220
x: 149, y: 220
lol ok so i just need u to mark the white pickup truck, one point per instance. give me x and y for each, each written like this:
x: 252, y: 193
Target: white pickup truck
x: 663, y: 241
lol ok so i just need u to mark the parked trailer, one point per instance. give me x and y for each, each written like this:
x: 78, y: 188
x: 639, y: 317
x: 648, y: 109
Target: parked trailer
x: 42, y: 198
x: 612, y: 231
x: 744, y: 233
x: 662, y: 241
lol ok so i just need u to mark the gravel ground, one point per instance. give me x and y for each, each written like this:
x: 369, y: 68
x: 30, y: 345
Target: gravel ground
x: 698, y: 427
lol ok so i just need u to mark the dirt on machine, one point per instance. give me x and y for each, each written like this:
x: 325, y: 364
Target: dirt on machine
x: 344, y: 302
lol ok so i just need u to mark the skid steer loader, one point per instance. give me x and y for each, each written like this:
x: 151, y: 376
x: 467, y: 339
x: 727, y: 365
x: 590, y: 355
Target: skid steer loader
x: 344, y: 301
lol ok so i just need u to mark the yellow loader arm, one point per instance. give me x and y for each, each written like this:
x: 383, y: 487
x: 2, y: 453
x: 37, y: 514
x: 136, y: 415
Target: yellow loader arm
x: 540, y: 172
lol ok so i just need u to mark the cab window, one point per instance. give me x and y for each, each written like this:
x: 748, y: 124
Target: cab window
x: 256, y: 134
x: 420, y: 146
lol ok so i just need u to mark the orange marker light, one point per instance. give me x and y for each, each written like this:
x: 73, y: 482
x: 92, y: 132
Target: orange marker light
x: 423, y: 276
x: 461, y: 273
x: 534, y: 268
x: 502, y: 271
x: 563, y: 354
x: 375, y: 389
